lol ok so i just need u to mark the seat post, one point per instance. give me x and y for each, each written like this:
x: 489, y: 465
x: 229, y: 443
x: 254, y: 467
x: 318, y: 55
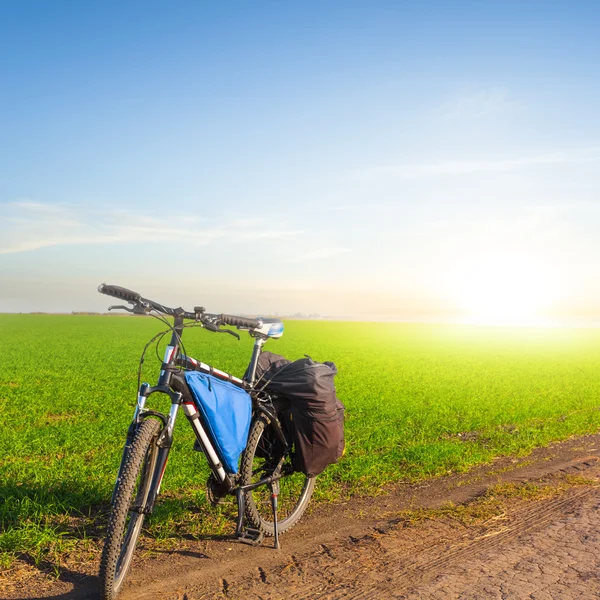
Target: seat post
x: 256, y: 350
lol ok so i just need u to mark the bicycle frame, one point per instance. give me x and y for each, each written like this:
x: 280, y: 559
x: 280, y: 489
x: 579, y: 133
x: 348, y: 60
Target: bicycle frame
x: 172, y: 362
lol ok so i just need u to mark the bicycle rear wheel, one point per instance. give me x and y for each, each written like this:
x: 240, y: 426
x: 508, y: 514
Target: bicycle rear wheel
x: 127, y: 516
x: 259, y: 461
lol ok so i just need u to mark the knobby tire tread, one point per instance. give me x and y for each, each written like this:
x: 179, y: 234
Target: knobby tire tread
x: 145, y: 435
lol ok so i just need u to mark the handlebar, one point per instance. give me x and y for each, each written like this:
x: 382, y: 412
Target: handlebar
x: 134, y: 298
x: 213, y: 320
x: 119, y: 292
x: 240, y: 321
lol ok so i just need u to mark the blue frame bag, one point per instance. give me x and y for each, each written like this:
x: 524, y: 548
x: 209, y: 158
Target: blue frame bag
x: 226, y: 411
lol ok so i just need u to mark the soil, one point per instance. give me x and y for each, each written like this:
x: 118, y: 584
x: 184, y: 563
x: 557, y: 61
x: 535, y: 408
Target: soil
x: 535, y: 549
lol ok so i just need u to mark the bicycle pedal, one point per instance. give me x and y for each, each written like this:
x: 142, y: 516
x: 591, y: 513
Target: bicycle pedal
x: 252, y: 537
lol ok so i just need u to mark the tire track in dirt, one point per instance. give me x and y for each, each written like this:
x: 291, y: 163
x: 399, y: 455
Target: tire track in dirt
x: 372, y: 569
x: 428, y: 567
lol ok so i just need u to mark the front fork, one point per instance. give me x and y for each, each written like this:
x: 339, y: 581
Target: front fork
x: 165, y: 437
x: 164, y: 442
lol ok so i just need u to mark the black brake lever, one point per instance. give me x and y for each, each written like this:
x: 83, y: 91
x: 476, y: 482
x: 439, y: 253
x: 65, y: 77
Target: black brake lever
x: 121, y: 307
x: 138, y: 309
x: 217, y: 329
x: 231, y: 332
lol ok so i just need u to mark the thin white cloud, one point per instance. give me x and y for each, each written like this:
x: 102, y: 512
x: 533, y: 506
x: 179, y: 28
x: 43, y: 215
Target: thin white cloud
x: 468, y: 167
x: 318, y: 253
x: 355, y: 207
x: 26, y: 226
x: 476, y: 102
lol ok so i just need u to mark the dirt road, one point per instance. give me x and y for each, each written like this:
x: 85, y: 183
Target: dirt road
x: 548, y: 550
x: 529, y: 545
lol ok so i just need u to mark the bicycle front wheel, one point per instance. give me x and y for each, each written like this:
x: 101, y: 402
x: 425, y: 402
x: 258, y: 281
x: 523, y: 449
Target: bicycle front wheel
x: 259, y: 461
x: 127, y: 515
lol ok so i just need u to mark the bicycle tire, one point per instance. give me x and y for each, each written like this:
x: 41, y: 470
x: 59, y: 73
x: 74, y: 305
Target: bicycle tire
x: 131, y: 489
x: 295, y: 488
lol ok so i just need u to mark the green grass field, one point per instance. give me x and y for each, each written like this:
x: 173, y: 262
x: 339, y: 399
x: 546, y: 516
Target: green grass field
x: 422, y: 400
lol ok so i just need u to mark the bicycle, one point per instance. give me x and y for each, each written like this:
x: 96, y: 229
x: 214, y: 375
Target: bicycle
x: 271, y: 495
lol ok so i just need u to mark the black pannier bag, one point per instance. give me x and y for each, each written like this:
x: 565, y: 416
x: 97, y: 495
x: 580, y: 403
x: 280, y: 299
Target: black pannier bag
x: 306, y: 393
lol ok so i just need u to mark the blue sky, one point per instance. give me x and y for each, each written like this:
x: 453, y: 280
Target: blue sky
x: 417, y: 160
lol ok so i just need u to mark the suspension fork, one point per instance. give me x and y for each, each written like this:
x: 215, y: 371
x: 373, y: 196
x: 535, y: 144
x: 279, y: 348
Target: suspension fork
x: 135, y: 421
x: 165, y: 438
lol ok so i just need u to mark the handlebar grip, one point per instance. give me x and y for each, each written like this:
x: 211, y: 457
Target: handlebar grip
x: 240, y: 321
x: 119, y: 292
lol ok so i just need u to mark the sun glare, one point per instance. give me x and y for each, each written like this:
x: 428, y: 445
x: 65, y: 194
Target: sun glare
x: 503, y: 290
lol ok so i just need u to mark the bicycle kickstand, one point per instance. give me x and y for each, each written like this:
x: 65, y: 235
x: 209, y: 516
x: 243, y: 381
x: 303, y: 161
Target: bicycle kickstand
x: 245, y: 535
x: 274, y: 493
